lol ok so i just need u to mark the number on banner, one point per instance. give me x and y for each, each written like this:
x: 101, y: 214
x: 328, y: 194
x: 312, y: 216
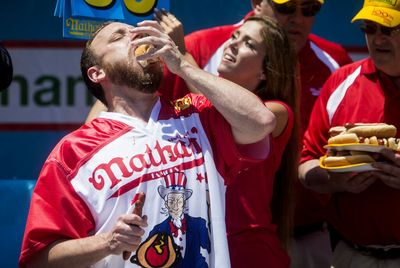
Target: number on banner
x: 138, y: 8
x: 103, y: 4
x: 143, y: 8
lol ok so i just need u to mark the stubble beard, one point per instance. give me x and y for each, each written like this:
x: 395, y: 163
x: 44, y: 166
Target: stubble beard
x: 146, y: 80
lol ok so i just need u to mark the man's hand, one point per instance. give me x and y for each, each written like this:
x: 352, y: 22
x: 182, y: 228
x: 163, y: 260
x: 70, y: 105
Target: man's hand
x: 323, y: 181
x: 126, y: 234
x: 164, y: 46
x: 389, y: 172
x: 351, y: 182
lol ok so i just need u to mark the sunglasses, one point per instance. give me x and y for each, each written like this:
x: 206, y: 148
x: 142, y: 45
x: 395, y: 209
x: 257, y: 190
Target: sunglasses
x: 371, y: 29
x: 308, y: 9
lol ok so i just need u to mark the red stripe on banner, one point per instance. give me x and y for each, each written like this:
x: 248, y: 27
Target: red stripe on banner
x: 39, y: 127
x: 156, y: 175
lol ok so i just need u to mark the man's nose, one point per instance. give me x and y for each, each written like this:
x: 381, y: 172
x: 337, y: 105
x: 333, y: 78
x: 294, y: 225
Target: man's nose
x: 379, y: 38
x: 297, y: 16
x: 233, y: 45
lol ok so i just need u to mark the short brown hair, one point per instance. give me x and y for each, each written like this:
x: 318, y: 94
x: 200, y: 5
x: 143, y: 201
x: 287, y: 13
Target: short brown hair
x: 89, y: 59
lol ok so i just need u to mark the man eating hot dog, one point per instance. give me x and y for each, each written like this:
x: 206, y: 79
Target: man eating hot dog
x: 363, y: 205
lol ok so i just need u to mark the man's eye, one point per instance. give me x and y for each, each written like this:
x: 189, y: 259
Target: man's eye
x: 117, y: 37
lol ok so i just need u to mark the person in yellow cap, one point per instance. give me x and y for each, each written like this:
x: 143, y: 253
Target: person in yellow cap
x: 385, y: 13
x: 363, y: 204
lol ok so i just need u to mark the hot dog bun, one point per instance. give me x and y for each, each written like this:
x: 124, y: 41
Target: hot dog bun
x: 379, y: 130
x: 365, y: 133
x: 392, y: 144
x: 334, y: 131
x: 344, y: 138
x: 141, y: 50
x: 337, y: 161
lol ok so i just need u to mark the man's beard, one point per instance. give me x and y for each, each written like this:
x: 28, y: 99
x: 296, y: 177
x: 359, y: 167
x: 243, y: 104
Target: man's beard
x: 146, y: 80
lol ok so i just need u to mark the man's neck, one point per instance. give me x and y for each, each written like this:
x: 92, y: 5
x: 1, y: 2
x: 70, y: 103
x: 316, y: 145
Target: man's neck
x: 136, y: 104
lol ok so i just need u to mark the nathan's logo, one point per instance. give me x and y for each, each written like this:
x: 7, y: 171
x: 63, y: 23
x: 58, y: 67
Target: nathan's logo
x: 79, y: 27
x: 151, y: 157
x: 386, y: 17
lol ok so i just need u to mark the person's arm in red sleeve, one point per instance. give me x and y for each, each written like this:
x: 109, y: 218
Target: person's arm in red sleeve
x: 59, y: 226
x: 311, y: 175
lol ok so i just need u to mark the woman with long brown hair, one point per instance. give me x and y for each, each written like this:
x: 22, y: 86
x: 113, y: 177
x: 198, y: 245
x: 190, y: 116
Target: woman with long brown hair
x: 259, y: 57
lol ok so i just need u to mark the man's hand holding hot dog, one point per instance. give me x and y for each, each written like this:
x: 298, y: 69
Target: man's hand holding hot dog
x: 127, y: 233
x: 378, y: 134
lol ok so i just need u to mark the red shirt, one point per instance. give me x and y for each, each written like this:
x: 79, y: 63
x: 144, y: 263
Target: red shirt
x: 252, y: 238
x: 318, y: 59
x: 358, y: 93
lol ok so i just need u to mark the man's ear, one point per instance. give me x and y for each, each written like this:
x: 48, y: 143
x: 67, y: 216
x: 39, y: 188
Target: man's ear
x: 256, y: 5
x: 96, y: 74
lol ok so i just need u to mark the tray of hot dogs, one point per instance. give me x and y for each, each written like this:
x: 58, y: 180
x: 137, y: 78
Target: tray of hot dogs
x: 353, y: 147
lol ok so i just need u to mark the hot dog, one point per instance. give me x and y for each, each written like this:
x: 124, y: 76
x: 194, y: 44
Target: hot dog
x: 345, y: 160
x: 374, y: 134
x: 371, y: 133
x: 344, y: 138
x: 380, y: 130
x: 141, y: 50
x: 137, y: 210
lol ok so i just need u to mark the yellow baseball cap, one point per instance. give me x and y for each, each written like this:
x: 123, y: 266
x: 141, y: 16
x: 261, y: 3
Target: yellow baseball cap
x: 285, y: 1
x: 384, y: 12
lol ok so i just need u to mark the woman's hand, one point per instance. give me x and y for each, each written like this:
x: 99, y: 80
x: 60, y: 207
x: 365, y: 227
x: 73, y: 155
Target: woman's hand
x: 173, y: 27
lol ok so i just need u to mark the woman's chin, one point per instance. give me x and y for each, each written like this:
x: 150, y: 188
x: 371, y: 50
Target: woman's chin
x: 223, y: 71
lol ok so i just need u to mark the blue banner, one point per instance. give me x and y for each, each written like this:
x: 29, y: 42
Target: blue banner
x: 81, y: 18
